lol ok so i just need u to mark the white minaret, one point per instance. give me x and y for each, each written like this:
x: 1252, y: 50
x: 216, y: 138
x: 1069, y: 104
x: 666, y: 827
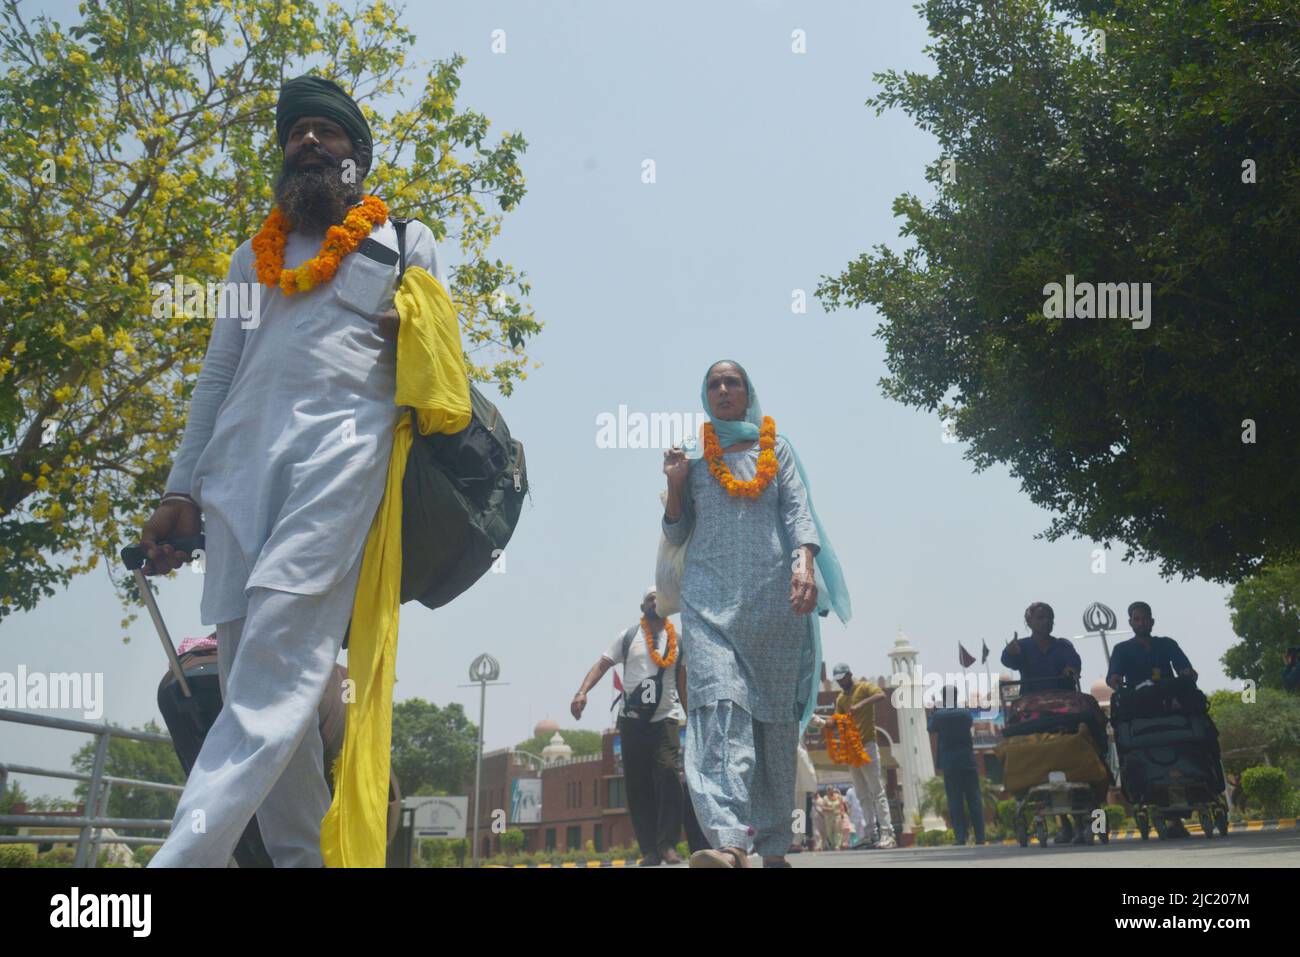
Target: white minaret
x: 915, y: 763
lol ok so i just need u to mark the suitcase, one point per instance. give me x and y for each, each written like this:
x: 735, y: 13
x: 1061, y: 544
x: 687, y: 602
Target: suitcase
x: 190, y: 705
x: 188, y: 721
x: 1171, y: 775
x: 1172, y: 759
x: 1138, y: 733
x: 1171, y: 696
x: 1040, y: 712
x: 1029, y: 759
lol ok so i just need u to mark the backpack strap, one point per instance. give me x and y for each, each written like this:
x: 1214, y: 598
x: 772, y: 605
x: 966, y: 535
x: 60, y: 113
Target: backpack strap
x: 399, y: 224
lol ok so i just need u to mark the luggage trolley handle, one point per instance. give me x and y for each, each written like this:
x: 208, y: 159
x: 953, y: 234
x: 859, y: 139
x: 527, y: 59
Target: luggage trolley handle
x: 134, y: 557
x: 1048, y: 683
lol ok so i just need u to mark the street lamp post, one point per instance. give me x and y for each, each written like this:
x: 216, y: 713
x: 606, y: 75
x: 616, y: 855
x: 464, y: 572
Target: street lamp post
x: 483, y: 670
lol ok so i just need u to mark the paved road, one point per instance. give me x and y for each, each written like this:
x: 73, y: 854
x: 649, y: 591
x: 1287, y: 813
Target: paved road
x: 1241, y: 849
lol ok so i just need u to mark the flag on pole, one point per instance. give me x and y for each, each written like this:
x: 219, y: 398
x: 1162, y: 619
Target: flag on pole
x: 985, y: 656
x: 618, y: 686
x: 966, y: 658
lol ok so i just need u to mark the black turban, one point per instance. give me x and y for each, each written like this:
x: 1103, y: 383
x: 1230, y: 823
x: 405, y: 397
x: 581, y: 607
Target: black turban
x: 315, y: 96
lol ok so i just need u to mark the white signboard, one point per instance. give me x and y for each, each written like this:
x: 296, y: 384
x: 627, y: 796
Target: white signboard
x: 438, y: 816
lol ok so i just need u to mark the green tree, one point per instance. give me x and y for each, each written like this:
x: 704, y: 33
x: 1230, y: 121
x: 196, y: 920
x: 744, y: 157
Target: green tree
x: 139, y: 146
x: 1266, y: 729
x: 13, y: 795
x: 1169, y: 157
x: 142, y: 761
x: 1266, y: 617
x: 45, y: 802
x: 934, y: 798
x: 433, y: 747
x: 583, y: 742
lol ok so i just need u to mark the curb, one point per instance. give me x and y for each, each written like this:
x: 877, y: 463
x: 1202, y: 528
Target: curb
x: 568, y: 865
x: 1281, y: 824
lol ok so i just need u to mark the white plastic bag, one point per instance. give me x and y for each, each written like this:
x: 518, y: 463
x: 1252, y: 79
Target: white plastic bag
x: 670, y: 564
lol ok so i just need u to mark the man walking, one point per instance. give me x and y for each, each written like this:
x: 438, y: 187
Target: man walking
x: 961, y: 781
x: 650, y: 717
x: 285, y: 456
x: 859, y: 700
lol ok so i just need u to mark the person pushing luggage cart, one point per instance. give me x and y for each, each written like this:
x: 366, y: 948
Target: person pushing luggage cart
x: 1168, y: 746
x: 1046, y: 662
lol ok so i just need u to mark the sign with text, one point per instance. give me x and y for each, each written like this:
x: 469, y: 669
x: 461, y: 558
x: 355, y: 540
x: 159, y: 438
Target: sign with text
x: 438, y: 816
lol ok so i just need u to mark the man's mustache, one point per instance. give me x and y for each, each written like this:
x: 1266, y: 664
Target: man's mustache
x: 294, y: 164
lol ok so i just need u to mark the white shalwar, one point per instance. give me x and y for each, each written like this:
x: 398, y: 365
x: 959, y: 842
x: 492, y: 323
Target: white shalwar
x: 286, y: 452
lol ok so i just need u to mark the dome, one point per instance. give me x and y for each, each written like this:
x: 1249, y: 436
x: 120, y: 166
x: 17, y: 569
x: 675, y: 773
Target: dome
x: 557, y: 750
x: 547, y: 726
x: 1101, y: 691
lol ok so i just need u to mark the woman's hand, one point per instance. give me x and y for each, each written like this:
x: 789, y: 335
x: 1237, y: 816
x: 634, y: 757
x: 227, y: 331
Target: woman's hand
x: 676, y: 467
x: 803, y: 583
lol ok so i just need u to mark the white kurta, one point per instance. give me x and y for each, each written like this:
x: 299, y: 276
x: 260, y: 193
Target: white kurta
x: 289, y: 433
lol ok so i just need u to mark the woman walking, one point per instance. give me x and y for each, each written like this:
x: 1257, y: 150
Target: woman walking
x: 835, y: 818
x: 757, y: 566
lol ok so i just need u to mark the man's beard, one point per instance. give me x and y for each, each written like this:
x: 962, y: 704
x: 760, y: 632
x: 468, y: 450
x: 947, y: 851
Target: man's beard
x: 315, y: 198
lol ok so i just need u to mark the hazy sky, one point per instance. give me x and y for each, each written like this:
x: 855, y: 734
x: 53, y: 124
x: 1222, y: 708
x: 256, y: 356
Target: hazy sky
x: 770, y: 174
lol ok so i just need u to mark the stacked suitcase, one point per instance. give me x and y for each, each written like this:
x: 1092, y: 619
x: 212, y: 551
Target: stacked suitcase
x: 1054, y: 730
x: 1168, y: 747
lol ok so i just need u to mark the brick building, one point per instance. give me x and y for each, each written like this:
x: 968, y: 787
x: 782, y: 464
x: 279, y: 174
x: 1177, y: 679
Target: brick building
x: 579, y: 799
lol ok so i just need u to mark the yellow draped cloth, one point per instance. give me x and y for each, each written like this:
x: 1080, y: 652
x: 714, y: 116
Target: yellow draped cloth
x: 431, y: 378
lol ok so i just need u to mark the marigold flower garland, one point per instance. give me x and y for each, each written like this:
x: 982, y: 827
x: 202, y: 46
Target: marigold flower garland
x: 671, y: 656
x: 268, y: 247
x: 767, y: 464
x: 843, y: 742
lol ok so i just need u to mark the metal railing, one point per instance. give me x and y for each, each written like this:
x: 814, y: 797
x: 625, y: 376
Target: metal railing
x: 90, y: 824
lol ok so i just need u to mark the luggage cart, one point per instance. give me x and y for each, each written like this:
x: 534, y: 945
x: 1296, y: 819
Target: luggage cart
x: 1075, y: 801
x: 1059, y: 798
x: 1164, y: 816
x: 1163, y: 805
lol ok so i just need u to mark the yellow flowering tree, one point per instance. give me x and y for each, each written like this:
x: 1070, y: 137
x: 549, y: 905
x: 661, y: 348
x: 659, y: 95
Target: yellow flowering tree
x: 140, y: 145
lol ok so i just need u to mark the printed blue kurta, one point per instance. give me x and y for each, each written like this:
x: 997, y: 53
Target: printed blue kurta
x: 742, y: 642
